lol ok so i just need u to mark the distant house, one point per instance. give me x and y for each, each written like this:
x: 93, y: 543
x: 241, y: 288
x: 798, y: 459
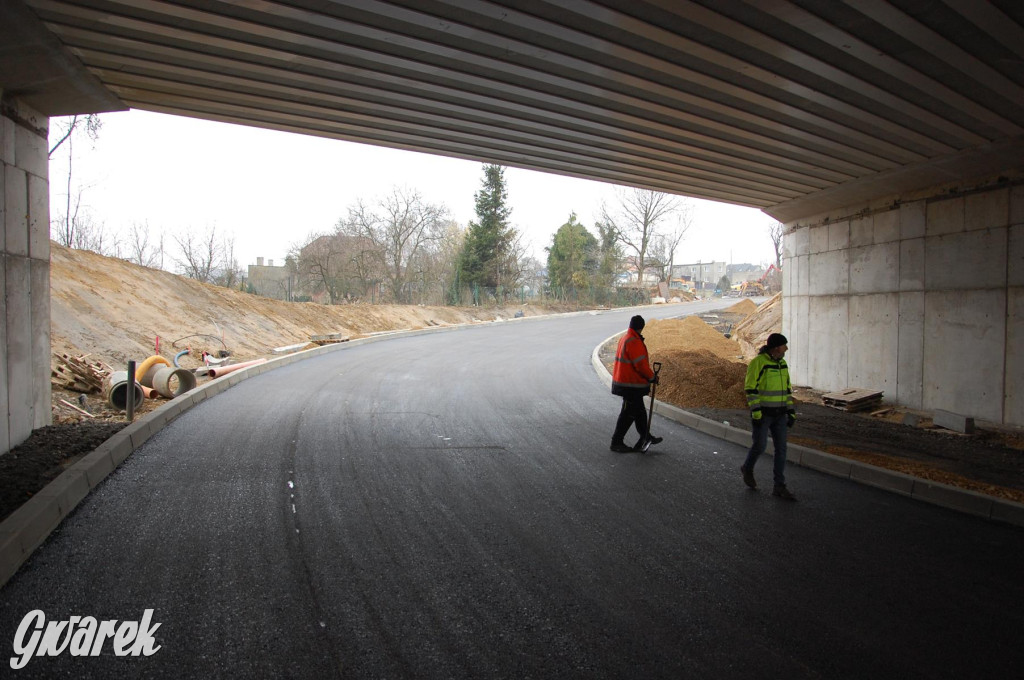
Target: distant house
x: 738, y: 273
x: 701, y: 275
x: 270, y: 281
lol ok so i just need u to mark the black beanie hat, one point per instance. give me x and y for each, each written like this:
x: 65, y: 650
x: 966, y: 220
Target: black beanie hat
x: 637, y: 323
x: 776, y: 340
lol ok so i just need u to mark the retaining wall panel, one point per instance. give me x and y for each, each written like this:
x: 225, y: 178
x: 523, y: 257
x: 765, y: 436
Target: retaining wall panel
x: 945, y: 216
x: 42, y: 409
x: 875, y: 269
x: 875, y: 348
x: 828, y: 340
x: 913, y: 220
x: 910, y: 351
x: 19, y: 348
x: 5, y: 431
x: 964, y: 340
x: 7, y: 131
x: 839, y: 236
x: 974, y: 259
x: 987, y: 210
x: 1015, y: 256
x: 30, y: 150
x: 1017, y: 205
x: 829, y: 273
x: 818, y: 239
x: 38, y: 218
x: 912, y: 264
x: 1013, y: 408
x: 887, y: 227
x: 15, y: 211
x: 862, y: 231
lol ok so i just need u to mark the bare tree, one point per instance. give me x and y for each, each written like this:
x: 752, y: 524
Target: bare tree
x: 89, y: 123
x: 400, y: 227
x: 200, y: 254
x: 227, y: 272
x: 320, y: 264
x: 76, y: 228
x: 775, y: 231
x: 636, y: 220
x: 140, y: 251
x: 70, y: 228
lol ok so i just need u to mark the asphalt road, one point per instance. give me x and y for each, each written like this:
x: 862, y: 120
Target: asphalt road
x: 446, y: 506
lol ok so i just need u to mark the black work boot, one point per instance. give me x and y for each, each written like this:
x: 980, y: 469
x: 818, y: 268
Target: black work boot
x: 748, y: 477
x: 781, y: 491
x: 647, y: 443
x: 620, y: 447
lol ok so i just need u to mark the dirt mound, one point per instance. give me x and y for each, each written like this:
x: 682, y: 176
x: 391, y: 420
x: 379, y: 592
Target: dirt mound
x: 113, y: 310
x: 745, y: 306
x: 687, y: 334
x: 700, y: 378
x: 699, y: 365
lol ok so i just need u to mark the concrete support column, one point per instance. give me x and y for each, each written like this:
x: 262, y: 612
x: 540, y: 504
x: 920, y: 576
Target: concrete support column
x: 24, y: 273
x: 920, y: 296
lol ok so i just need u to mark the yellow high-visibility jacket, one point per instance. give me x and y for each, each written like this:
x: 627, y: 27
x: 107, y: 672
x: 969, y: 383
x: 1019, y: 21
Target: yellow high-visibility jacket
x: 767, y: 386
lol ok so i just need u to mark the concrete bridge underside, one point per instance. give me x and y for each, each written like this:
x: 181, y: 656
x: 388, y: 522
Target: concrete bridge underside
x: 887, y: 135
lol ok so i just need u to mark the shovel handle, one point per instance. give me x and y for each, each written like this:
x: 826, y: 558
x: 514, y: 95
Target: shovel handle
x: 657, y: 367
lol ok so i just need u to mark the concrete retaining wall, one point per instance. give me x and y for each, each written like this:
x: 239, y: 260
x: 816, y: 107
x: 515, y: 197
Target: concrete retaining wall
x: 24, y: 274
x: 921, y: 297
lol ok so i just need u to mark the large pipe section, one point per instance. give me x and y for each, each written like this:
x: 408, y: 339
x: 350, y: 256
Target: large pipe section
x: 218, y: 371
x: 148, y: 368
x: 118, y: 390
x: 173, y: 382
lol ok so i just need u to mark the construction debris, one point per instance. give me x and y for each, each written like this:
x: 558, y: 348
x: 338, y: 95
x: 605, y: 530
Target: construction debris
x: 328, y: 339
x: 77, y: 374
x: 853, y: 399
x: 75, y: 408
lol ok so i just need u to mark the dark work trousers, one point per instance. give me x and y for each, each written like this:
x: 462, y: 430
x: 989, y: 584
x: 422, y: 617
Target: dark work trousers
x: 632, y: 413
x: 774, y: 424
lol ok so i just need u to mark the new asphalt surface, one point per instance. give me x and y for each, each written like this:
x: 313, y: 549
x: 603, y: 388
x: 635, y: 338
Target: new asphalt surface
x: 446, y: 506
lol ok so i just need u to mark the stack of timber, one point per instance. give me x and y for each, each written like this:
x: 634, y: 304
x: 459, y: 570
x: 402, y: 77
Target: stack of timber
x: 78, y: 374
x: 853, y: 399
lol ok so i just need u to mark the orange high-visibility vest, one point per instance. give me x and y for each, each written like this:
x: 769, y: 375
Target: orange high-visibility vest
x: 632, y: 370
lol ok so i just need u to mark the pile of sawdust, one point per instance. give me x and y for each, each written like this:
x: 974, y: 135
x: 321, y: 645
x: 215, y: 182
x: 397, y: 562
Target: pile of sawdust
x: 700, y: 366
x: 745, y: 306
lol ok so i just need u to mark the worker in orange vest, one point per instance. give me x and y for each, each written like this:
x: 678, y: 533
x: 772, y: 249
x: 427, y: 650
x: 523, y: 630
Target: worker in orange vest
x: 632, y: 378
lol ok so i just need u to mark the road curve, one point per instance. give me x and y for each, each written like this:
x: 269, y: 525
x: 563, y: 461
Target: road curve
x: 446, y: 506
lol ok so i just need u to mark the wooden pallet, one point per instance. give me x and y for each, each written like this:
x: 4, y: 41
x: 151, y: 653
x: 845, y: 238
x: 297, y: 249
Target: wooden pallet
x: 853, y: 399
x: 78, y: 374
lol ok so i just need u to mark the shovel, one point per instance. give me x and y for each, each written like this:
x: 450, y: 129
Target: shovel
x: 650, y: 414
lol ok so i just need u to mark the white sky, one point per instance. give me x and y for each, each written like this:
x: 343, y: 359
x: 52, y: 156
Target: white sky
x: 270, y: 190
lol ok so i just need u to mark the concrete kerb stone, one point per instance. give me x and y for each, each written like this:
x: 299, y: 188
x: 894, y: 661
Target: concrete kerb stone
x: 30, y: 525
x: 944, y: 495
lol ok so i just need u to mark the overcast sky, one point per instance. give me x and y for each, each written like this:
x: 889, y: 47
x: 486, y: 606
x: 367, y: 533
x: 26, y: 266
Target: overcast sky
x: 270, y: 190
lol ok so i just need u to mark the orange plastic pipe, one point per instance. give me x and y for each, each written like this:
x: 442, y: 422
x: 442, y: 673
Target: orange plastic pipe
x: 218, y: 371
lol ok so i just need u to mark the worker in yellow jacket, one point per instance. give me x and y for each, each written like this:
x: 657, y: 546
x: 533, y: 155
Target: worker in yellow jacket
x: 770, y: 398
x: 631, y: 379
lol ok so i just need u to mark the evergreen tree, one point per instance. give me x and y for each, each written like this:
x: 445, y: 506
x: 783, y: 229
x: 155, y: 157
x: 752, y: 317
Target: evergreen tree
x: 611, y: 255
x: 573, y: 257
x: 488, y: 255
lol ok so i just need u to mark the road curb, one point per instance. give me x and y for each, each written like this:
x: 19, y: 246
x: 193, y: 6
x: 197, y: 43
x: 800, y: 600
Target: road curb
x: 29, y: 526
x: 944, y: 495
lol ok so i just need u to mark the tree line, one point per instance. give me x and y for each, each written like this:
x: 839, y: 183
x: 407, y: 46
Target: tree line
x: 404, y: 249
